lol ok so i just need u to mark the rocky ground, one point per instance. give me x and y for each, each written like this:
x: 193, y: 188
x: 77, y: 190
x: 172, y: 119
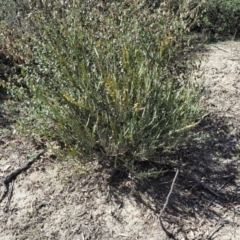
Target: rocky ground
x: 62, y: 200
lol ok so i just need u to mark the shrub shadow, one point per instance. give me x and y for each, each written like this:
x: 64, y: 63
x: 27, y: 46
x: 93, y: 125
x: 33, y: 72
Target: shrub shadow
x: 207, y: 177
x: 8, y: 67
x: 4, y: 117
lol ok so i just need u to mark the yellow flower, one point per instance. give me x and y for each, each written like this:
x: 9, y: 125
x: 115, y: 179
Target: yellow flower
x: 165, y: 44
x: 69, y: 99
x: 135, y: 105
x: 110, y: 84
x: 125, y: 56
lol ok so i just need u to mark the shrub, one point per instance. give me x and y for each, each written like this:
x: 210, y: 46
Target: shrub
x: 110, y: 78
x: 219, y: 17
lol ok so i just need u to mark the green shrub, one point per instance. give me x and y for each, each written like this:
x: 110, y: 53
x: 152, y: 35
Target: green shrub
x: 110, y: 78
x: 219, y: 17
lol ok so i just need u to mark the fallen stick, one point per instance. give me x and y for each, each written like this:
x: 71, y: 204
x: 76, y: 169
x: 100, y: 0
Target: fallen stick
x: 8, y: 180
x: 201, y: 183
x: 225, y: 50
x: 217, y: 228
x: 170, y: 235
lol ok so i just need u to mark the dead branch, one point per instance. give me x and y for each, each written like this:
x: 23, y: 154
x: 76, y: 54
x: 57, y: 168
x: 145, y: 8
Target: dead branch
x: 170, y: 235
x: 225, y: 50
x: 8, y: 180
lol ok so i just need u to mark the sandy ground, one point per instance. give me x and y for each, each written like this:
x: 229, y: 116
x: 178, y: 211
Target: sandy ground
x: 61, y: 200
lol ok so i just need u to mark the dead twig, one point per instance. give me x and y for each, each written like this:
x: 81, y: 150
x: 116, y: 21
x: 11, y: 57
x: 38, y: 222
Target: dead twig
x: 225, y: 50
x: 217, y: 228
x: 201, y: 183
x: 8, y: 180
x: 230, y: 178
x: 190, y: 126
x: 170, y: 235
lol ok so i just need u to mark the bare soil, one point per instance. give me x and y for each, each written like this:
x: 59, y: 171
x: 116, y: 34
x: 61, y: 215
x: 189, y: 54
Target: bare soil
x: 62, y: 200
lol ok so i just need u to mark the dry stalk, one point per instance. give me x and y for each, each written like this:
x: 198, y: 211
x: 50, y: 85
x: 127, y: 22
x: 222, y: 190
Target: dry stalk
x: 170, y: 235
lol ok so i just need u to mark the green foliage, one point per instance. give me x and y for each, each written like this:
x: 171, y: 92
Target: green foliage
x: 220, y: 17
x: 109, y: 78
